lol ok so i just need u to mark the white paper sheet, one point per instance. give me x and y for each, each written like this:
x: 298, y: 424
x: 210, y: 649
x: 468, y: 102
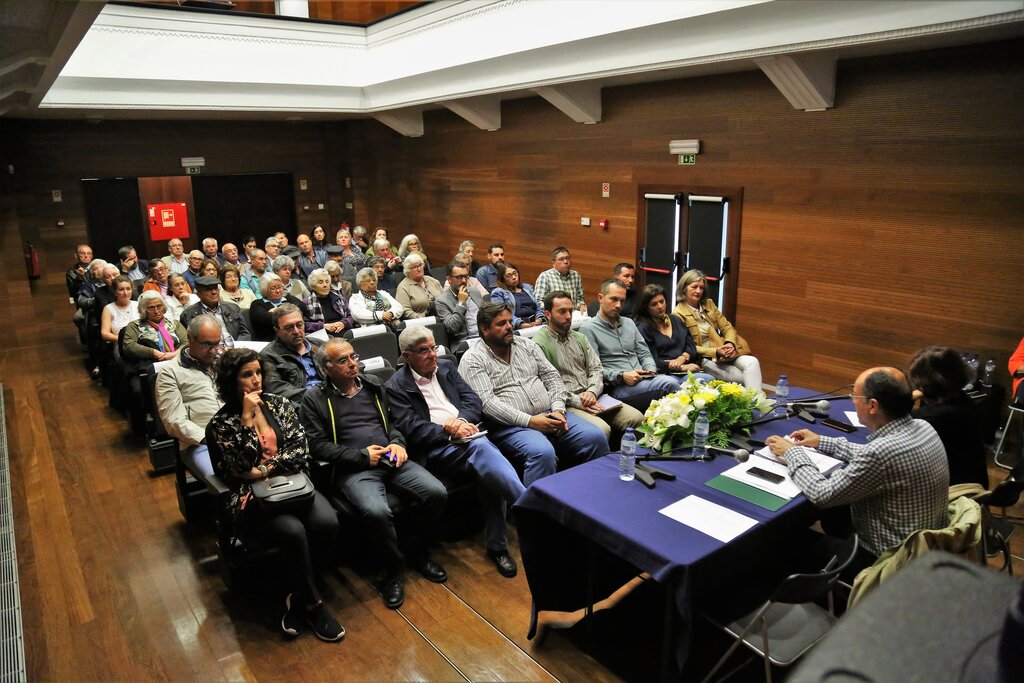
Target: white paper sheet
x: 320, y: 335
x: 851, y: 416
x: 784, y: 489
x: 824, y: 463
x: 708, y: 518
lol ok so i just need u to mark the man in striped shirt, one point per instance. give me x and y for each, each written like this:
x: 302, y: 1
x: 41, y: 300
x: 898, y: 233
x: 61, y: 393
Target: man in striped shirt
x: 523, y: 399
x: 895, y: 484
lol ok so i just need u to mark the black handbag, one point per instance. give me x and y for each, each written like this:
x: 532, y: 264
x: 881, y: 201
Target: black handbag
x: 285, y: 494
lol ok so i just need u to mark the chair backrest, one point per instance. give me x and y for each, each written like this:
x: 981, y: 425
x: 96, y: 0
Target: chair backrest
x: 385, y: 345
x: 246, y: 317
x: 800, y: 588
x: 256, y: 346
x: 593, y: 307
x: 440, y: 273
x: 366, y: 331
x: 378, y: 367
x: 426, y: 321
x: 1005, y: 494
x: 214, y: 447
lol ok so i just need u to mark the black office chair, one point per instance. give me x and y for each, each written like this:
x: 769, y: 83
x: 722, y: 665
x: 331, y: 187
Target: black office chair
x: 790, y: 622
x: 997, y: 530
x: 380, y: 341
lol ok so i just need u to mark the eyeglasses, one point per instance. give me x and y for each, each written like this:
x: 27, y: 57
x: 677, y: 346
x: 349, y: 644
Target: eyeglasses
x: 209, y: 345
x: 863, y: 396
x: 425, y: 350
x: 155, y: 307
x: 341, y: 360
x: 294, y: 326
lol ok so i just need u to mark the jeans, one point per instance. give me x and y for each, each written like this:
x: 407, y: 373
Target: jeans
x: 540, y: 453
x: 306, y: 541
x: 643, y: 392
x: 501, y: 486
x: 367, y: 491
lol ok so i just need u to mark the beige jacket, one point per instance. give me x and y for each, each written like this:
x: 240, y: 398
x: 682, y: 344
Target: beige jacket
x: 414, y: 298
x: 706, y: 347
x: 186, y: 399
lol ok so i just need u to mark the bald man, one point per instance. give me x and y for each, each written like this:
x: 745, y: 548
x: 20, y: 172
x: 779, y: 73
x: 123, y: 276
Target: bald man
x: 895, y: 484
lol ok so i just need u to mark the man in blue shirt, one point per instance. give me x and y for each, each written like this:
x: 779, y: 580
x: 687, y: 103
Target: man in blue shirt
x: 488, y: 274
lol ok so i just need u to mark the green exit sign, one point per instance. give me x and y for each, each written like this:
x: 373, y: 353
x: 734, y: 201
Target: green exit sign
x: 196, y: 170
x: 687, y: 159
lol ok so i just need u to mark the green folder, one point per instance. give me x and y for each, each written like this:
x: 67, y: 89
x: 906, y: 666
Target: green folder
x: 751, y: 494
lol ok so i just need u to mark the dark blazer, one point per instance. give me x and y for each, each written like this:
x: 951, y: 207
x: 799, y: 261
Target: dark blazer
x: 259, y: 316
x: 410, y: 408
x: 233, y: 319
x: 452, y: 314
x: 316, y: 419
x: 664, y: 349
x: 287, y: 372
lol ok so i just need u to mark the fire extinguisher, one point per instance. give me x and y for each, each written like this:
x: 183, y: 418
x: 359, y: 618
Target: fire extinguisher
x: 31, y: 261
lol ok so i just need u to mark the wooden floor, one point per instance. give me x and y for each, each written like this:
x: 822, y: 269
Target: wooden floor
x: 115, y: 587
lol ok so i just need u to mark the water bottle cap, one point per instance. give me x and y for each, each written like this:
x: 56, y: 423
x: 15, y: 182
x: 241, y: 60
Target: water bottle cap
x: 629, y: 430
x: 703, y: 413
x: 782, y: 377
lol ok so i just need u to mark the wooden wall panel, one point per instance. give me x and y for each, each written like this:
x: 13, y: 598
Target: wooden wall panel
x: 168, y: 190
x: 887, y: 223
x: 356, y: 12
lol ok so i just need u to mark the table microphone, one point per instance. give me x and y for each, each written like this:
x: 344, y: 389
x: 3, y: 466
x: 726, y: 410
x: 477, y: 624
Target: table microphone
x: 740, y: 454
x: 821, y: 406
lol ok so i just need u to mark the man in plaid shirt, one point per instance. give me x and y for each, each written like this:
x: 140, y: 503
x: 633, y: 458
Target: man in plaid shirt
x: 895, y: 484
x: 562, y: 277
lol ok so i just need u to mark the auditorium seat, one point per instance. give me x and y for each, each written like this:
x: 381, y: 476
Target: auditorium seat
x: 374, y: 340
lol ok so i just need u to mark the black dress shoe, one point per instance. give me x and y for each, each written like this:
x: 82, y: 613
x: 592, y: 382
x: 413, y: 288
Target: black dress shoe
x: 392, y: 589
x: 505, y: 563
x: 431, y: 570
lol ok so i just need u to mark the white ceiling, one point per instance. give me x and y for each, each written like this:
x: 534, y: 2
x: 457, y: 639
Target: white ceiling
x: 71, y: 60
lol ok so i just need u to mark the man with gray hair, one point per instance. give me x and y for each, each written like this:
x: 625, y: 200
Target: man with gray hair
x: 210, y: 250
x: 290, y: 355
x: 175, y: 259
x: 195, y: 262
x: 273, y: 248
x: 439, y: 414
x: 186, y: 393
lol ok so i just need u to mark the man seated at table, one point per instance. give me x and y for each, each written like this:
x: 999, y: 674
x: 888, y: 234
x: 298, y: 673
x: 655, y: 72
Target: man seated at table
x: 629, y: 368
x: 580, y: 369
x: 895, y: 484
x: 523, y: 399
x: 349, y: 422
x: 435, y: 408
x: 186, y: 396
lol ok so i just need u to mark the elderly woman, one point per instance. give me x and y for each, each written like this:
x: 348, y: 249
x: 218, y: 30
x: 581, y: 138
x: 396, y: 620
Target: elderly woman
x: 359, y: 240
x: 120, y: 312
x: 351, y: 254
x: 382, y: 250
x: 272, y: 293
x: 518, y: 296
x: 418, y: 291
x: 385, y: 280
x: 92, y: 280
x: 325, y: 309
x: 469, y: 249
x: 378, y: 234
x: 339, y: 285
x: 257, y: 435
x: 157, y: 282
x: 231, y: 287
x: 153, y: 337
x: 937, y: 376
x: 210, y: 268
x: 724, y: 354
x: 284, y: 268
x: 179, y: 295
x: 371, y: 306
x: 670, y: 342
x: 411, y: 245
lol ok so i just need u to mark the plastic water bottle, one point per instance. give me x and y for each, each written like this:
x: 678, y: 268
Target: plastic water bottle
x: 972, y: 370
x: 782, y: 392
x: 627, y: 459
x: 701, y: 429
x: 990, y: 367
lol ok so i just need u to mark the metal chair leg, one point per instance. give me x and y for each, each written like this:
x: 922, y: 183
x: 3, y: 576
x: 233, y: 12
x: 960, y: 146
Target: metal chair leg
x: 999, y: 446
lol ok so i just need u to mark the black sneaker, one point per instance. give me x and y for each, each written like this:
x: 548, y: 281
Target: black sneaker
x: 291, y: 622
x: 324, y: 625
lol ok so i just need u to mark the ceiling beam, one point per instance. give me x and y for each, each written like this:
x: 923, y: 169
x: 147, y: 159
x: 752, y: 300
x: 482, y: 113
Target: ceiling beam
x: 581, y: 102
x: 482, y: 112
x: 408, y: 122
x: 14, y: 62
x: 807, y: 81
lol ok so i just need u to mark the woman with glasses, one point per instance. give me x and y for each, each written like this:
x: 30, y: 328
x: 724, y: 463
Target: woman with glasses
x: 418, y: 291
x: 411, y: 245
x: 153, y: 337
x: 325, y: 309
x: 371, y: 306
x: 518, y: 296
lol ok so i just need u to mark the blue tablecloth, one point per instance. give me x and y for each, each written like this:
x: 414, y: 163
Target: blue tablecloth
x: 622, y: 520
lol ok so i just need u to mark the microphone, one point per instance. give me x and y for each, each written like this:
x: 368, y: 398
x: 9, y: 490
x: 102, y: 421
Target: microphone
x: 740, y: 454
x: 821, y: 406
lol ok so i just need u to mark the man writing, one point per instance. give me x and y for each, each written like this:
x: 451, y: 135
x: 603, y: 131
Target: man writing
x: 580, y: 369
x: 437, y: 410
x: 628, y: 364
x: 458, y: 305
x: 561, y: 276
x: 291, y: 355
x: 488, y: 273
x: 895, y: 484
x: 186, y: 395
x: 523, y: 398
x: 349, y: 423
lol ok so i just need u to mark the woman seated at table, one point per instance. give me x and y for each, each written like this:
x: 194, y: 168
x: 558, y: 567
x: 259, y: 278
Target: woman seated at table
x: 370, y: 306
x: 518, y: 296
x: 326, y: 310
x: 411, y: 245
x: 258, y: 435
x: 231, y: 289
x: 418, y: 291
x: 179, y: 295
x: 351, y: 255
x: 724, y: 354
x: 120, y: 312
x: 937, y: 376
x: 272, y: 291
x: 670, y: 342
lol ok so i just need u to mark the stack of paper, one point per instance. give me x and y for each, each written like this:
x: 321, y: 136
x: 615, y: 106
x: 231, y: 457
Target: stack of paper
x: 766, y: 461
